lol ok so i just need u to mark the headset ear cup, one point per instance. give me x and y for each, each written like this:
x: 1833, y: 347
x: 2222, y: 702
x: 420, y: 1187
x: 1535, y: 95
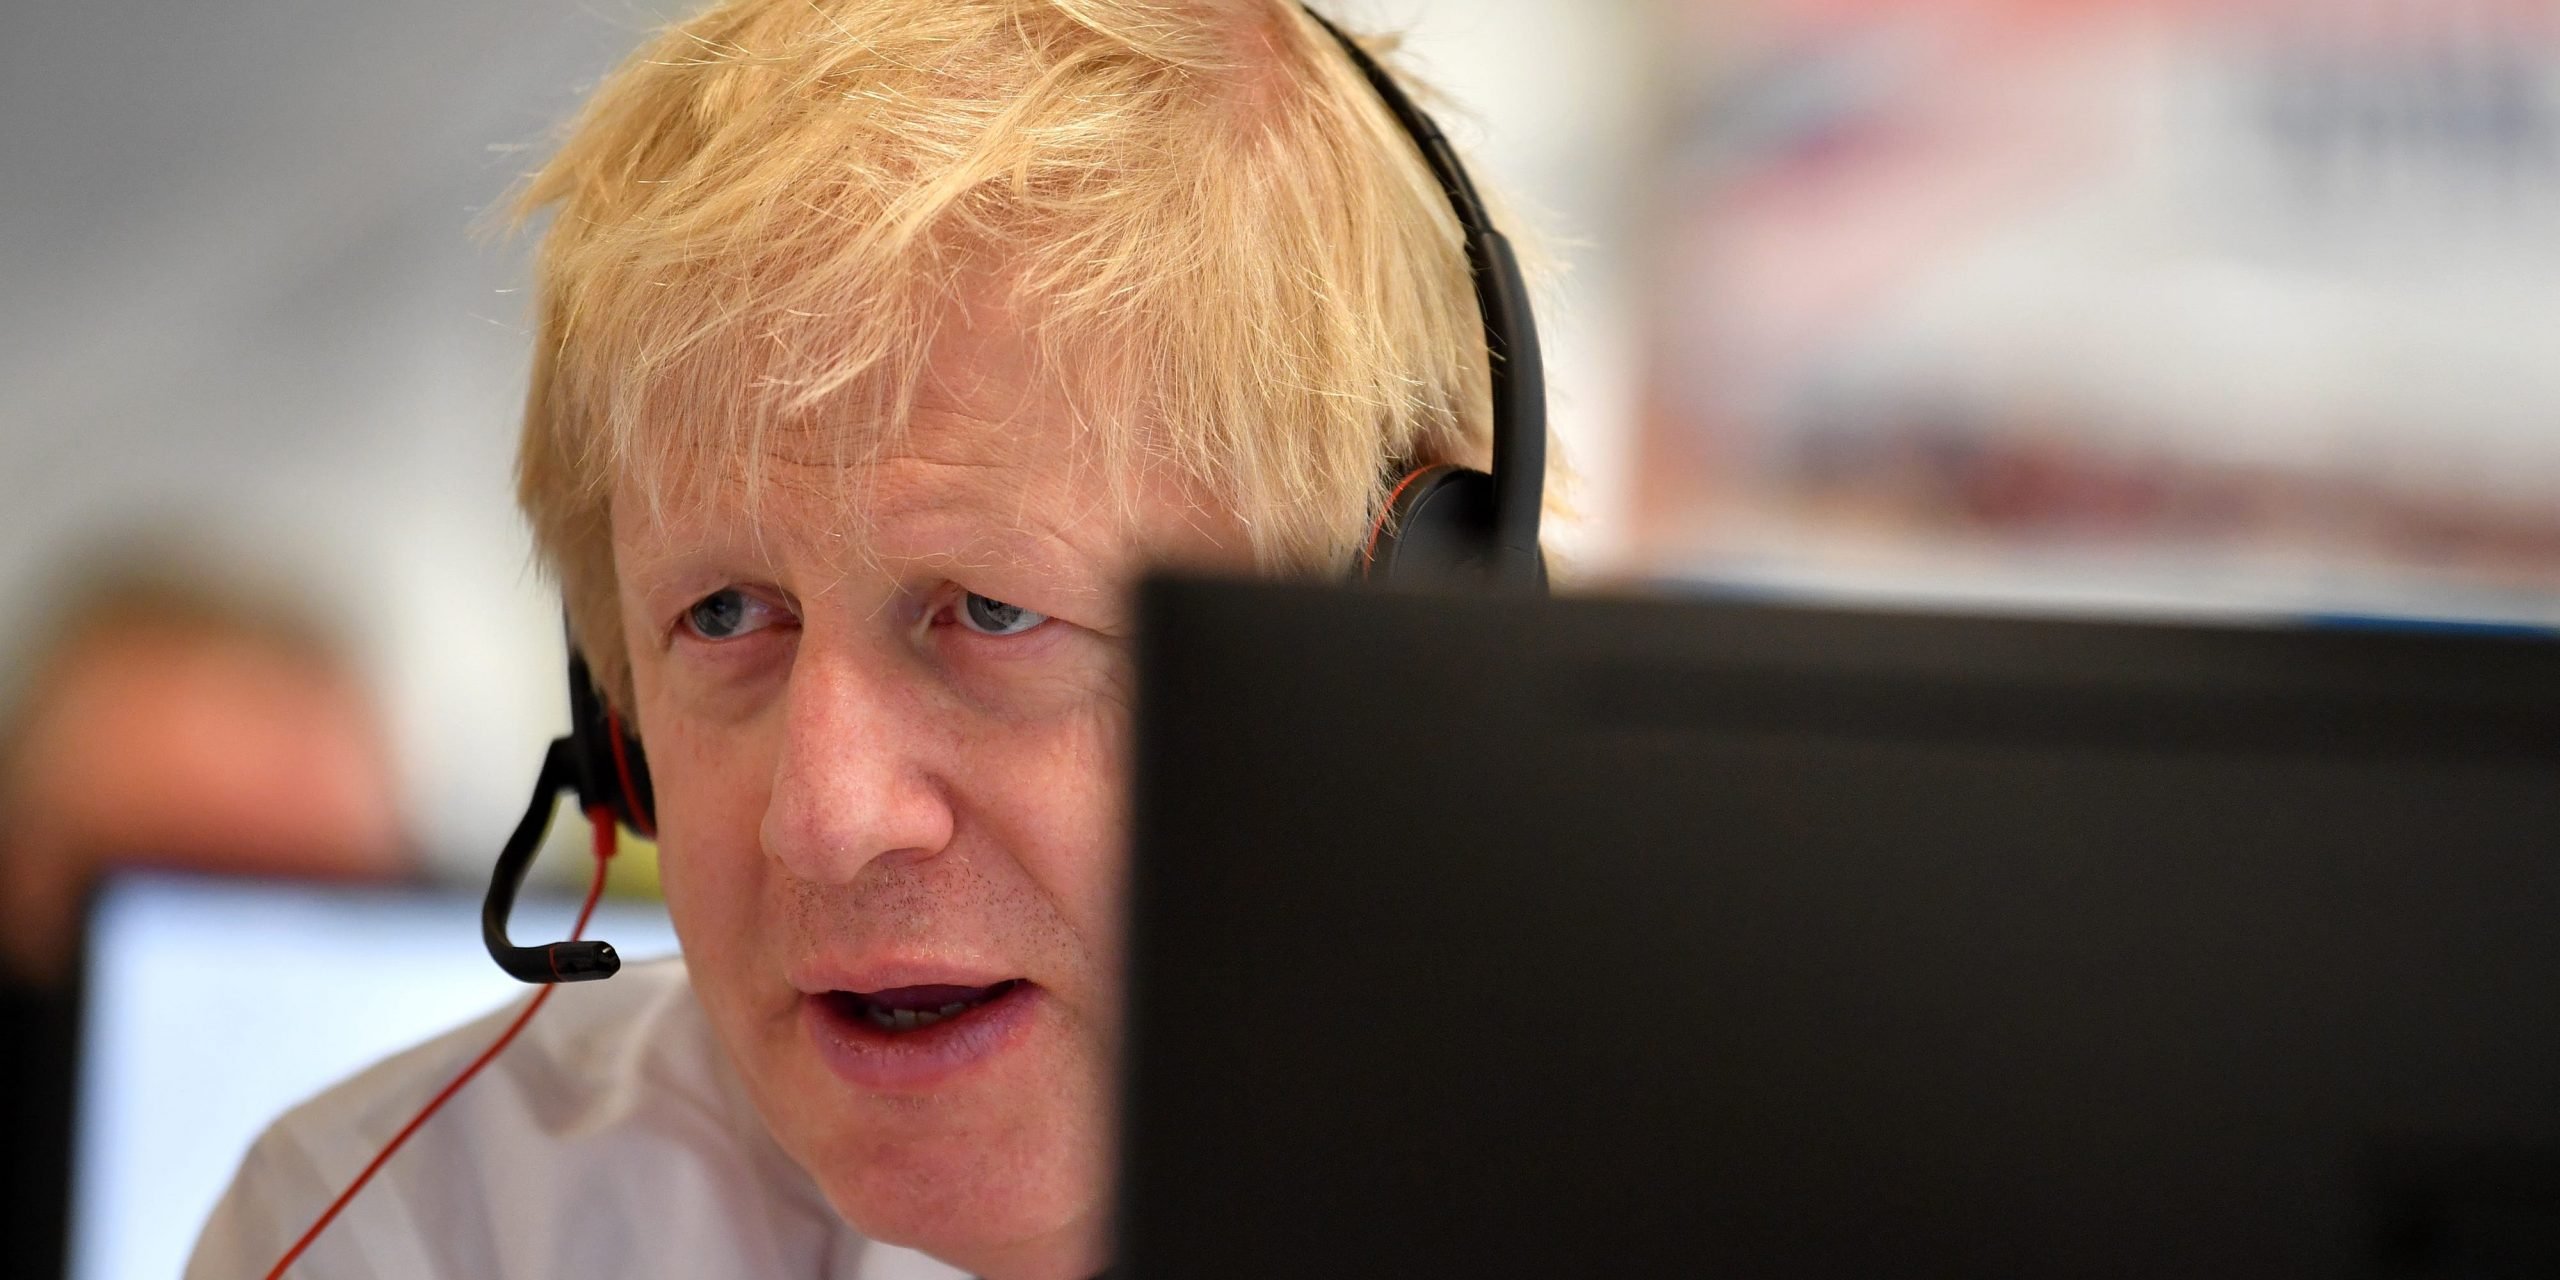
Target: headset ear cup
x: 1433, y: 527
x: 612, y: 770
x: 635, y: 794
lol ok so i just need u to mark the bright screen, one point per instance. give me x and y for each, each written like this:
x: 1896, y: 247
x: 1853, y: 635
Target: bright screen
x: 215, y: 1005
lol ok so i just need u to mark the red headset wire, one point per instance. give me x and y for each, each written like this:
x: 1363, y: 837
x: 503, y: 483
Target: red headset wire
x: 601, y: 819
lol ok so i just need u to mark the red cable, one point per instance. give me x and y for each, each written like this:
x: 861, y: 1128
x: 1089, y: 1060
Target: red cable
x: 602, y: 820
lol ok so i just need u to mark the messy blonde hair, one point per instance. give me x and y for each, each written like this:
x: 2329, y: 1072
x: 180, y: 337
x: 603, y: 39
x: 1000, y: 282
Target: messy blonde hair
x: 1235, y: 261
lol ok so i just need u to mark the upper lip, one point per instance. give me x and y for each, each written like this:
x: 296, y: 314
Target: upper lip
x: 882, y: 973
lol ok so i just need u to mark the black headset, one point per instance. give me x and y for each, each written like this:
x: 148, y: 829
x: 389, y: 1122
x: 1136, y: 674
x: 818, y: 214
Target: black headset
x: 1438, y: 524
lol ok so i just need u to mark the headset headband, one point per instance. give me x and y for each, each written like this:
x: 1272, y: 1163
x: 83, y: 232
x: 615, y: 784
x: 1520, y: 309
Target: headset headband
x: 1517, y: 378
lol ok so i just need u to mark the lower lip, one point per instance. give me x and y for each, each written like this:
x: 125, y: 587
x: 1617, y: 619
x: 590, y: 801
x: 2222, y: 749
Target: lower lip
x: 863, y: 1055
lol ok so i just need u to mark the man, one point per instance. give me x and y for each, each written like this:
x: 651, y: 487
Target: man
x: 883, y: 343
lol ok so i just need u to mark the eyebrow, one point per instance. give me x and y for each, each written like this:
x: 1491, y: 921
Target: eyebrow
x: 1015, y: 552
x: 661, y: 566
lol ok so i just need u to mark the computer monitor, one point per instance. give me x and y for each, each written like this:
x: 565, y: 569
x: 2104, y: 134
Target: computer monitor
x: 211, y: 1006
x: 1478, y: 937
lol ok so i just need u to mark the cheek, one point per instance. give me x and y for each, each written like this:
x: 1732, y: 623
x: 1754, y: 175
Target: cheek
x: 712, y: 786
x: 1055, y: 801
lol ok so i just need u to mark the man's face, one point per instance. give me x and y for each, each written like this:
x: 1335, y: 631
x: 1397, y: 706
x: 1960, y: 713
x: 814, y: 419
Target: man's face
x: 889, y: 762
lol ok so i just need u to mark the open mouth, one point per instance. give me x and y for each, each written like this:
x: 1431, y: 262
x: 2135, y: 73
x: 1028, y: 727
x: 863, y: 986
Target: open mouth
x: 901, y: 1010
x: 915, y: 1039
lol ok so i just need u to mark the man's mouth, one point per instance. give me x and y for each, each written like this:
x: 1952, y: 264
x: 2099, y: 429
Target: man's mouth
x: 911, y: 1039
x: 899, y: 1010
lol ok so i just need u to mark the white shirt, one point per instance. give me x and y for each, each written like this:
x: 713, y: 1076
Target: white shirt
x: 610, y: 1140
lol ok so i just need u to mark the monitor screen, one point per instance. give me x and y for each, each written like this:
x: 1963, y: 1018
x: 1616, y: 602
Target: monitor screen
x: 1495, y: 937
x: 214, y: 1005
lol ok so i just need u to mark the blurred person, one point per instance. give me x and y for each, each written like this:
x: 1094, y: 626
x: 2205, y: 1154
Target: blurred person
x: 882, y: 344
x: 187, y: 725
x: 168, y: 719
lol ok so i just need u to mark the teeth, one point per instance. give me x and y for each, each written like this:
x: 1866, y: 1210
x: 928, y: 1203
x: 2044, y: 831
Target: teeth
x: 912, y: 1019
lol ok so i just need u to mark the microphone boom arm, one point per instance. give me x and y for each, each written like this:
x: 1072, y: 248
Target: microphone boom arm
x: 551, y: 962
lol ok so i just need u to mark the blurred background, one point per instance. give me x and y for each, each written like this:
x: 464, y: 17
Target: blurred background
x: 2239, y: 307
x: 2228, y: 306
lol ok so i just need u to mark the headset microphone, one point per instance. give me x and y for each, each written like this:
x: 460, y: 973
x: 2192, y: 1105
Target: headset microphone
x: 558, y: 961
x: 604, y: 767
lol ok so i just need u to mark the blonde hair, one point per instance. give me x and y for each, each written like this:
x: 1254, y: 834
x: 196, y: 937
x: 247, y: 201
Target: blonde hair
x: 1230, y: 253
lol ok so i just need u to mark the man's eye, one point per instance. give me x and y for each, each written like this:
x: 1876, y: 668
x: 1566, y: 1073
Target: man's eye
x: 996, y: 618
x: 723, y: 615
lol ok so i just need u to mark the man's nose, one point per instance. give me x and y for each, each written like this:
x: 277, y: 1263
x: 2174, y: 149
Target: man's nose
x: 856, y: 780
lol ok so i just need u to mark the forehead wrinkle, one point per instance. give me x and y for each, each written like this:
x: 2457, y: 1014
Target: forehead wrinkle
x: 720, y: 518
x: 1027, y: 533
x: 1016, y: 548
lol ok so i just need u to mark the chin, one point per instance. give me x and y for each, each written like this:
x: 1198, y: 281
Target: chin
x: 962, y: 1204
x: 1005, y: 1178
x: 1024, y: 1204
